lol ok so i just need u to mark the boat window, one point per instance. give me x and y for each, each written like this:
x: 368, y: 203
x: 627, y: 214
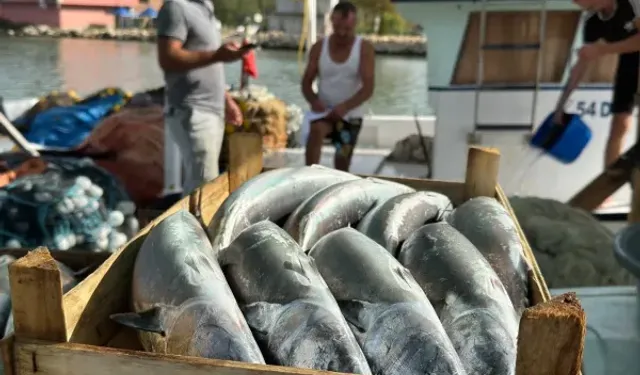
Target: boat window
x: 511, y: 47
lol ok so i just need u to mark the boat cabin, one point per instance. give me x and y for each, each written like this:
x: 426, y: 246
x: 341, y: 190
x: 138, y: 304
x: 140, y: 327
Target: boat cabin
x: 495, y: 71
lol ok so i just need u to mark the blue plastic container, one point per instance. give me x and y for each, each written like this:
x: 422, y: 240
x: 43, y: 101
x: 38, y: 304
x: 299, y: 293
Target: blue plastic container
x: 563, y: 142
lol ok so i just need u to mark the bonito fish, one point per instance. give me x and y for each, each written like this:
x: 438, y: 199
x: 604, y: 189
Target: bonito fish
x: 269, y: 196
x: 338, y: 206
x: 287, y: 304
x: 472, y: 303
x: 182, y: 302
x: 391, y: 317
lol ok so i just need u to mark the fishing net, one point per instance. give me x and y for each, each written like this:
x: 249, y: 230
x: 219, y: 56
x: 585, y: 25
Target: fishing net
x: 572, y: 248
x: 72, y: 204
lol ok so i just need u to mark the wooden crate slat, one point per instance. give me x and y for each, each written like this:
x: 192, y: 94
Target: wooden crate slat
x: 40, y: 358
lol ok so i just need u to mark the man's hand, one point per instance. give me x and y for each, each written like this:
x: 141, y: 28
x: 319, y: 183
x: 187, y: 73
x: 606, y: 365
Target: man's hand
x: 592, y: 51
x: 229, y: 52
x: 338, y: 112
x: 318, y: 106
x: 232, y: 112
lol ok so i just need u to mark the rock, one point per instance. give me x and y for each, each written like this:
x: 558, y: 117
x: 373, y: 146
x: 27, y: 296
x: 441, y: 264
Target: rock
x: 411, y: 150
x: 397, y: 45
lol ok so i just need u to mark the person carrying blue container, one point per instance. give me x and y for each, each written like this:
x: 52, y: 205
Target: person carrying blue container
x: 611, y: 27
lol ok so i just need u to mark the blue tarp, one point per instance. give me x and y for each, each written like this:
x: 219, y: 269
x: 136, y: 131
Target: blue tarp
x: 123, y: 12
x: 68, y: 127
x: 148, y: 13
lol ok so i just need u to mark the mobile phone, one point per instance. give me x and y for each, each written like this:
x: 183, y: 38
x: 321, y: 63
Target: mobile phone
x: 249, y: 46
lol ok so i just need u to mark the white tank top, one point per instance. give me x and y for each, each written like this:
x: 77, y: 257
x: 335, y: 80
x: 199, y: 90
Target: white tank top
x: 339, y: 82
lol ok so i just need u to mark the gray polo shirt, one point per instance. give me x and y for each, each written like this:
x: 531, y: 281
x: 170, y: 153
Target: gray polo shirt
x: 193, y: 23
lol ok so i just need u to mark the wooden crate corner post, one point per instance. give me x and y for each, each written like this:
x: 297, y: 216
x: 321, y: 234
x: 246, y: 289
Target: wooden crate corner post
x: 245, y: 158
x: 483, y: 165
x: 551, y: 337
x: 37, y: 297
x: 634, y: 211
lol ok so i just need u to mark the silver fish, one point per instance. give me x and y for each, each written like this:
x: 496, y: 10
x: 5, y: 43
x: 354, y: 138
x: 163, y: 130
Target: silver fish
x: 68, y: 278
x: 269, y: 196
x: 287, y: 304
x: 5, y: 290
x: 472, y: 303
x: 391, y: 317
x: 338, y: 206
x: 183, y: 304
x: 390, y: 223
x: 491, y: 230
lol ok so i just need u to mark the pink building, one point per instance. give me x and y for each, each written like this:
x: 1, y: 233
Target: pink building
x: 66, y: 14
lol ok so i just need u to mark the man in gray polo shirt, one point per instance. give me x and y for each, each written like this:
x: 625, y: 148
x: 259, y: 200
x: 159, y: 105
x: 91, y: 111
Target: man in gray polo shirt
x: 191, y: 54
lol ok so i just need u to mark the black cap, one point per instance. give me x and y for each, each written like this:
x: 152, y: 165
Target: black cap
x: 345, y: 8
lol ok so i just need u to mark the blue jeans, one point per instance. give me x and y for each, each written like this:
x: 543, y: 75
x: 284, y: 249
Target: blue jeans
x: 199, y: 136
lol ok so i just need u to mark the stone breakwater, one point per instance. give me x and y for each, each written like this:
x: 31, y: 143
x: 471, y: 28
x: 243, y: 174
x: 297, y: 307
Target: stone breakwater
x: 391, y: 45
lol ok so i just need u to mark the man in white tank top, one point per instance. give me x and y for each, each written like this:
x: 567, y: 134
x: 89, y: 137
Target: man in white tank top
x: 343, y: 64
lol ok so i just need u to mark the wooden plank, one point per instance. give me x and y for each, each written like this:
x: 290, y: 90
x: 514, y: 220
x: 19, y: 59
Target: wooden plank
x: 74, y: 359
x: 75, y: 259
x: 6, y: 348
x: 481, y: 178
x: 452, y: 189
x: 516, y: 66
x: 245, y: 158
x: 36, y: 297
x: 608, y: 182
x: 538, y: 290
x: 551, y: 338
x: 634, y: 212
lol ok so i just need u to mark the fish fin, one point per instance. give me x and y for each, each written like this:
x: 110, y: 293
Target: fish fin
x: 149, y: 320
x: 86, y: 271
x: 351, y: 311
x: 260, y: 315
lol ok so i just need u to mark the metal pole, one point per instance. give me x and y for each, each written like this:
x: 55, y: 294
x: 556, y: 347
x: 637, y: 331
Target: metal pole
x: 480, y: 71
x: 542, y: 37
x: 312, y: 11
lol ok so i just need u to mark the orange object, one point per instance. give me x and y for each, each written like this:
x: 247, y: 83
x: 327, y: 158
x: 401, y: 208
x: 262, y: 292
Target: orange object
x: 29, y: 167
x: 249, y: 65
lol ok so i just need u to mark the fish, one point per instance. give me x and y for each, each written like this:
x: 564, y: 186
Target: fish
x: 391, y: 222
x: 471, y: 301
x: 291, y: 312
x: 491, y: 230
x: 67, y: 276
x: 389, y: 314
x: 338, y: 206
x: 182, y: 303
x: 5, y: 290
x: 269, y: 196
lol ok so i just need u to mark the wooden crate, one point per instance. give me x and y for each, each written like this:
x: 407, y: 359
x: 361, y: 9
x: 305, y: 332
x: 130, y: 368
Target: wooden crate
x: 71, y: 334
x: 76, y: 260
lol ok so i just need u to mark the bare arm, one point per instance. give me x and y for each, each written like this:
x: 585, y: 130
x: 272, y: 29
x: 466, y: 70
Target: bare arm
x: 172, y: 57
x: 577, y: 72
x: 367, y: 75
x: 172, y: 33
x: 310, y: 73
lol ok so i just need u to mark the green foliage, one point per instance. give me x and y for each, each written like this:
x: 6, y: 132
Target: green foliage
x: 393, y: 24
x: 233, y: 12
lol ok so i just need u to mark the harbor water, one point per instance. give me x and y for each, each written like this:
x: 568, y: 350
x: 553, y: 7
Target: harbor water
x: 34, y: 66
